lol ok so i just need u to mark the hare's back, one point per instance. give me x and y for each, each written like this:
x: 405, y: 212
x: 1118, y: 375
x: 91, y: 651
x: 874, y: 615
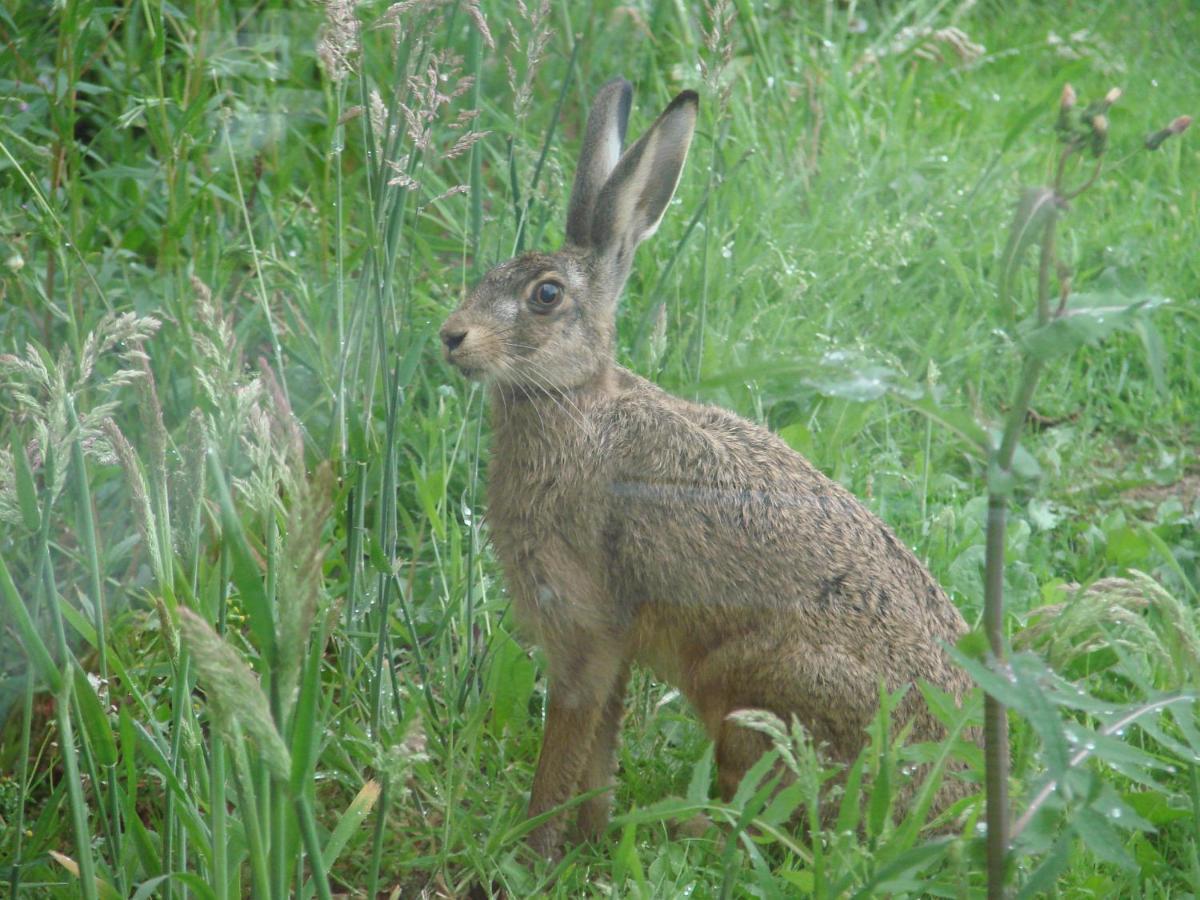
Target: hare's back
x: 713, y: 511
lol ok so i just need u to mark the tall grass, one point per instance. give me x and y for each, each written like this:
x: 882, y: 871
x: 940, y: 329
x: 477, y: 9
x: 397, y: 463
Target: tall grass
x: 252, y: 640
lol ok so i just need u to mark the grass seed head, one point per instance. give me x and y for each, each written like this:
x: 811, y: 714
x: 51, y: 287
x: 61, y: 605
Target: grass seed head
x: 142, y: 506
x: 234, y: 694
x: 339, y: 44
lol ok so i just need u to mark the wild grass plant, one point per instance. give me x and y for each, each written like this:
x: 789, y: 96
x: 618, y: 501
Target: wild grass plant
x: 252, y: 640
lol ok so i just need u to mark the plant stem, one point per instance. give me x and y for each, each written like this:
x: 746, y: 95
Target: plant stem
x: 312, y: 844
x: 220, y: 867
x: 995, y: 719
x: 381, y: 811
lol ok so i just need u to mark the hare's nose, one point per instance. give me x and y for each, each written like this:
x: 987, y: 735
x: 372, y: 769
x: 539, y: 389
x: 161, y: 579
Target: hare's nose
x: 453, y: 337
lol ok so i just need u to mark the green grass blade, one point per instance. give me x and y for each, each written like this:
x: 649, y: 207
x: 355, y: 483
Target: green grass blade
x: 39, y: 655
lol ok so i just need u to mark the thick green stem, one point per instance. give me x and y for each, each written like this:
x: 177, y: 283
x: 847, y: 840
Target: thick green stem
x: 1000, y: 478
x: 995, y: 718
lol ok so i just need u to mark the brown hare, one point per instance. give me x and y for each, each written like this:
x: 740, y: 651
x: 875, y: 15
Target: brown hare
x: 634, y: 526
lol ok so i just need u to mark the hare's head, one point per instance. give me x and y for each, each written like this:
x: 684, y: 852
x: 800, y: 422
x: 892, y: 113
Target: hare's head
x: 545, y: 321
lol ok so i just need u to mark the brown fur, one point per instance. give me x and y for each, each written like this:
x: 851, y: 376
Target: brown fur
x: 634, y: 526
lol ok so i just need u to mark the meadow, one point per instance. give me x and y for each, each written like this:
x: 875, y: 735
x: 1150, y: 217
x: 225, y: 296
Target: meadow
x: 253, y: 640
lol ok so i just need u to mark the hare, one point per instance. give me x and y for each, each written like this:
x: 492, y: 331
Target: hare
x: 633, y: 526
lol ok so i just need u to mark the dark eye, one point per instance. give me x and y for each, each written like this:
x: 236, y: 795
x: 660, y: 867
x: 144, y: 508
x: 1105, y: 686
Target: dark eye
x: 547, y: 295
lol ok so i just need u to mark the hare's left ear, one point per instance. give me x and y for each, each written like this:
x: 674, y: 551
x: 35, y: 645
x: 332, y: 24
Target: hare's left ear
x: 635, y: 196
x: 602, y: 144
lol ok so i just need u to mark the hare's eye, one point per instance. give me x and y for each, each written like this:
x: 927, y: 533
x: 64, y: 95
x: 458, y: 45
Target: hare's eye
x: 547, y: 295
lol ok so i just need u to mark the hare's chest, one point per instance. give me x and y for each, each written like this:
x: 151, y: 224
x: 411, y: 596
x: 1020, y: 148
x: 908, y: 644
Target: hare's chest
x: 545, y: 525
x: 537, y: 504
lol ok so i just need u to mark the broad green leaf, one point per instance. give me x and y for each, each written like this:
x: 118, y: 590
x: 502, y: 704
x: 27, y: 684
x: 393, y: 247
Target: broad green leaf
x: 350, y: 821
x: 784, y: 803
x: 1025, y: 466
x: 1101, y: 838
x: 844, y: 374
x: 748, y: 788
x: 1044, y: 718
x: 34, y: 646
x: 1044, y: 876
x: 510, y: 679
x: 768, y: 886
x: 999, y: 687
x: 1157, y: 808
x: 880, y: 805
x: 803, y: 880
x: 896, y: 875
x: 95, y: 721
x: 850, y: 810
x: 626, y: 862
x: 1132, y: 762
x: 701, y: 780
x: 1156, y: 355
x: 1034, y: 213
x: 1090, y: 317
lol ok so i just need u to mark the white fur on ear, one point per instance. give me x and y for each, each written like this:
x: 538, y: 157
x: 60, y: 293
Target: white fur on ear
x: 633, y: 200
x: 601, y: 151
x: 625, y: 204
x: 609, y: 153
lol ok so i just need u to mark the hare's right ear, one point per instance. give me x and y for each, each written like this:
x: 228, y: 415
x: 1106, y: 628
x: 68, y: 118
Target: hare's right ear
x: 633, y: 200
x: 602, y: 145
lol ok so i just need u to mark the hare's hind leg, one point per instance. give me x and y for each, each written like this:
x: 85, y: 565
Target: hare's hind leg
x: 738, y: 748
x: 601, y: 766
x: 583, y: 678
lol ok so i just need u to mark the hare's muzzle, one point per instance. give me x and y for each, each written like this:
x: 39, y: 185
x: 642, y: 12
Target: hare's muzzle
x: 453, y: 338
x: 456, y: 347
x: 454, y: 332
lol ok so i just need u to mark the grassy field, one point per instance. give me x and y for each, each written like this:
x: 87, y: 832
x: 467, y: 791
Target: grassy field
x: 252, y: 637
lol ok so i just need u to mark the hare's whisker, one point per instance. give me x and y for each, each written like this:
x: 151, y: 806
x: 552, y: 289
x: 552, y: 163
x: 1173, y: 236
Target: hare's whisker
x: 542, y: 381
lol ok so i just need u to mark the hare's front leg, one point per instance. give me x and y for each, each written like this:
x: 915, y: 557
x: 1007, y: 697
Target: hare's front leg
x: 600, y: 767
x: 583, y: 675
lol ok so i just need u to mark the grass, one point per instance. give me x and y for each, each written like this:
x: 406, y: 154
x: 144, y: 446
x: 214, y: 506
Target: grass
x: 204, y: 248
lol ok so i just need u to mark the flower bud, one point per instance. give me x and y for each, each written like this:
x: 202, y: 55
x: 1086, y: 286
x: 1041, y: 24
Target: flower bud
x: 1177, y: 127
x: 1068, y: 98
x: 1065, y: 105
x: 1112, y: 96
x: 1099, y: 134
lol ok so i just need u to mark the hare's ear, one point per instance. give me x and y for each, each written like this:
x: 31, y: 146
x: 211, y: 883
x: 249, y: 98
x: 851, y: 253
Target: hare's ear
x: 602, y: 144
x: 633, y: 200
